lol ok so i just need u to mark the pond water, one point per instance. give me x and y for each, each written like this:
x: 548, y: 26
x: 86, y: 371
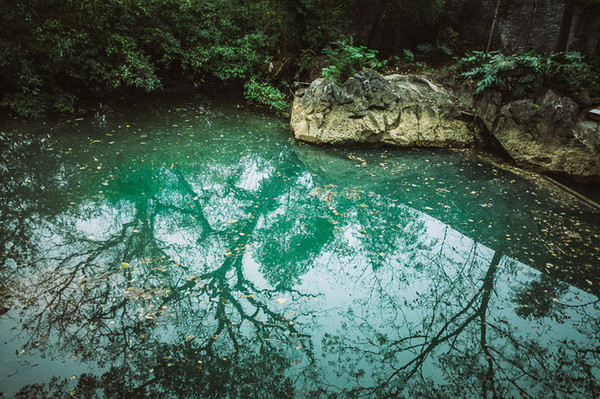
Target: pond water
x: 194, y: 250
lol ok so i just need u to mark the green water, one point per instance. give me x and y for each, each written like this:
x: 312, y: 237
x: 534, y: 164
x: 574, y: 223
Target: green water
x: 196, y: 251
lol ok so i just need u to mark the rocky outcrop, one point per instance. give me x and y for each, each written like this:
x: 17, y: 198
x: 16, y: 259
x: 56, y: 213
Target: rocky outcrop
x: 588, y: 133
x: 411, y: 111
x: 544, y: 136
x: 397, y: 110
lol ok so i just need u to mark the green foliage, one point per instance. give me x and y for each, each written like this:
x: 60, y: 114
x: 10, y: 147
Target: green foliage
x: 408, y: 55
x: 55, y: 53
x: 306, y: 24
x: 305, y: 61
x: 520, y: 73
x: 570, y: 67
x: 264, y: 93
x: 435, y: 50
x: 347, y: 59
x: 413, y: 13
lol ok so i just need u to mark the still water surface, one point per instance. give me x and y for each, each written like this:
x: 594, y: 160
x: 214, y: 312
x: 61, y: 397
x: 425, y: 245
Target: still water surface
x: 196, y: 251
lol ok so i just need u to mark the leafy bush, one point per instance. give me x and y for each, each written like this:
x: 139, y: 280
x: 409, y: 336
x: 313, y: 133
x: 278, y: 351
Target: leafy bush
x: 264, y: 93
x: 347, y: 59
x: 408, y: 55
x: 520, y: 73
x: 54, y: 54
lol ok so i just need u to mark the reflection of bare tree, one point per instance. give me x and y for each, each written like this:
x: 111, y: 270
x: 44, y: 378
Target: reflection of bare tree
x: 300, y: 227
x: 475, y: 308
x: 453, y: 322
x: 539, y: 298
x: 456, y: 325
x: 107, y: 298
x: 503, y: 213
x: 167, y: 279
x: 24, y: 191
x: 450, y: 312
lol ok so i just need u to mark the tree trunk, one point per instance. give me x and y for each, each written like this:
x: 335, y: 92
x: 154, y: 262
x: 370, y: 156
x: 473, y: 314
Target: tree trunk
x: 374, y: 32
x: 565, y: 26
x: 489, y: 43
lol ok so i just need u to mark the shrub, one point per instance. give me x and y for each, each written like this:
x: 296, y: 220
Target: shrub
x: 264, y: 93
x: 54, y: 54
x: 347, y: 59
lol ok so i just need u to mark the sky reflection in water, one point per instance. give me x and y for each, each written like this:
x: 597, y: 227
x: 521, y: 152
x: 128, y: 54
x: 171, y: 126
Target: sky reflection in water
x: 199, y: 252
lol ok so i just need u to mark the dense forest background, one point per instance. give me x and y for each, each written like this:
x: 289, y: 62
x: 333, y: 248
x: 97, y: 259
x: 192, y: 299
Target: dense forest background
x: 61, y: 55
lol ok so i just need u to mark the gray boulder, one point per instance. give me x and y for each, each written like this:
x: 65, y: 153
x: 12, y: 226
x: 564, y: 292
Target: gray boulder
x: 404, y: 111
x: 547, y: 136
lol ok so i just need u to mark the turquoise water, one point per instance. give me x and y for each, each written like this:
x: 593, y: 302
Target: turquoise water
x: 193, y: 249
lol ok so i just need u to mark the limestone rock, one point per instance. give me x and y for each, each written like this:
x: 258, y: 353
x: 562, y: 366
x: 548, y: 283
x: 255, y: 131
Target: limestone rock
x: 397, y: 110
x: 410, y: 111
x: 547, y: 137
x: 588, y: 132
x: 488, y: 108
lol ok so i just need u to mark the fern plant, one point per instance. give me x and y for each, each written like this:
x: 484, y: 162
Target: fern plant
x: 571, y: 67
x: 520, y: 73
